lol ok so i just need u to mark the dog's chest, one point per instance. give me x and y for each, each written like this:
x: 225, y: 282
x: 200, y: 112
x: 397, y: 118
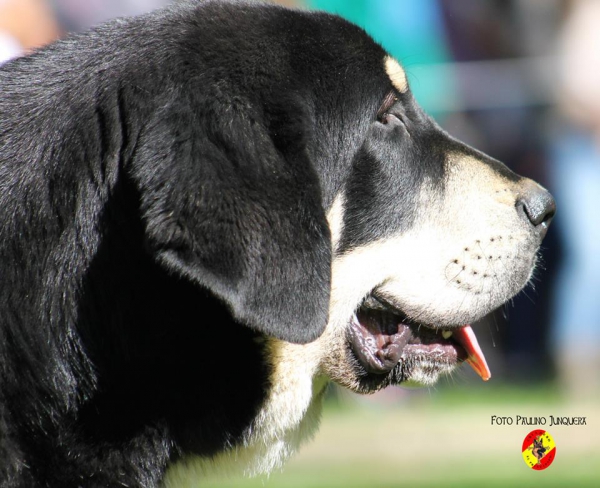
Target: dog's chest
x: 289, y: 416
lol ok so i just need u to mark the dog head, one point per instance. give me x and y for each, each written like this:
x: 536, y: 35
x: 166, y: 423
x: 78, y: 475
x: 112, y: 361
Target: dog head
x: 324, y: 203
x: 314, y: 169
x: 436, y: 236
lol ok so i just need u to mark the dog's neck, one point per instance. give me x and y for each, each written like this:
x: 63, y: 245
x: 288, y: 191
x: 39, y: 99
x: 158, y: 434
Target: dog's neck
x: 289, y: 416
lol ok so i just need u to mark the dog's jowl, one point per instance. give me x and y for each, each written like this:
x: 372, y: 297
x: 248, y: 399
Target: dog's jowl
x: 209, y: 213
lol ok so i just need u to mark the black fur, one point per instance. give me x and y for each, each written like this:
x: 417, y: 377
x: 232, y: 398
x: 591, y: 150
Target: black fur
x: 147, y: 167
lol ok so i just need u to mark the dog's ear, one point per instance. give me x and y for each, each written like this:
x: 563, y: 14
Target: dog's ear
x: 230, y: 199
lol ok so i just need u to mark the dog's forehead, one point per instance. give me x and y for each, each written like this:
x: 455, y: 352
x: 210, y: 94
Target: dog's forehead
x: 396, y: 73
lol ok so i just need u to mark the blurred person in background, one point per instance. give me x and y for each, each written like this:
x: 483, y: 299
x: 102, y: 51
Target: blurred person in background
x: 24, y: 26
x: 77, y: 15
x: 29, y: 24
x: 575, y: 155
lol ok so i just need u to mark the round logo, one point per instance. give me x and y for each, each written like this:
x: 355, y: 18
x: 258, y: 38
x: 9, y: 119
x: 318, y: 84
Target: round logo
x: 538, y: 449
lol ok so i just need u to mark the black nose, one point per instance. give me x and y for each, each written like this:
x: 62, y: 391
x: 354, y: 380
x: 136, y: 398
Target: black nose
x: 537, y: 206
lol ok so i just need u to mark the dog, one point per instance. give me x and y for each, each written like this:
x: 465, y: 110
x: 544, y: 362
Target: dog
x: 209, y: 213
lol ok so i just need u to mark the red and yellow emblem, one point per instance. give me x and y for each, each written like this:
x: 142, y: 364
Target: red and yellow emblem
x: 539, y: 449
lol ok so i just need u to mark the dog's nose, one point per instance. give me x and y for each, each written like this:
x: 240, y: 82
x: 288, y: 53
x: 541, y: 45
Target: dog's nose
x: 536, y: 205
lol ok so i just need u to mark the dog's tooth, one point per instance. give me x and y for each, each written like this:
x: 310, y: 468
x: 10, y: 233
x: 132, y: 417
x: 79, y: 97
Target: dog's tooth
x: 446, y: 334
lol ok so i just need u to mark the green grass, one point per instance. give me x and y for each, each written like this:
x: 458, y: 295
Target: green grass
x: 488, y: 473
x: 441, y: 438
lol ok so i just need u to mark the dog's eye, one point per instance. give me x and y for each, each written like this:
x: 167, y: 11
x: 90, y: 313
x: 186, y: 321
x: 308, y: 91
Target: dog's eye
x: 390, y: 118
x: 386, y: 115
x: 388, y: 102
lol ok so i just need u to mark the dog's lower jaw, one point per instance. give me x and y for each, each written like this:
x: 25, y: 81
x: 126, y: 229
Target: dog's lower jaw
x: 427, y: 373
x: 410, y: 373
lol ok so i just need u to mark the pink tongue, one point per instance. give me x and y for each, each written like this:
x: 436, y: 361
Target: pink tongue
x: 466, y: 338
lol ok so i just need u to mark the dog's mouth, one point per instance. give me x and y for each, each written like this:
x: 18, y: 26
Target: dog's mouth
x: 382, y: 338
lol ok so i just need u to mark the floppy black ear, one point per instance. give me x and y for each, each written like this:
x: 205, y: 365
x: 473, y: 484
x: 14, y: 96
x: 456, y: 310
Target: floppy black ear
x: 230, y: 199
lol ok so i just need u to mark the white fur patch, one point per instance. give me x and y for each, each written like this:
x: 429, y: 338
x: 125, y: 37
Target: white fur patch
x: 468, y: 252
x: 396, y: 73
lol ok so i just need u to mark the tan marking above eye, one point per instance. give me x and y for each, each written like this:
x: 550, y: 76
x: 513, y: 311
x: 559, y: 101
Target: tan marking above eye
x: 335, y: 219
x: 396, y: 73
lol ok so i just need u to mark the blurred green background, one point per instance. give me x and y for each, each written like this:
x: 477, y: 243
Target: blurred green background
x: 440, y: 437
